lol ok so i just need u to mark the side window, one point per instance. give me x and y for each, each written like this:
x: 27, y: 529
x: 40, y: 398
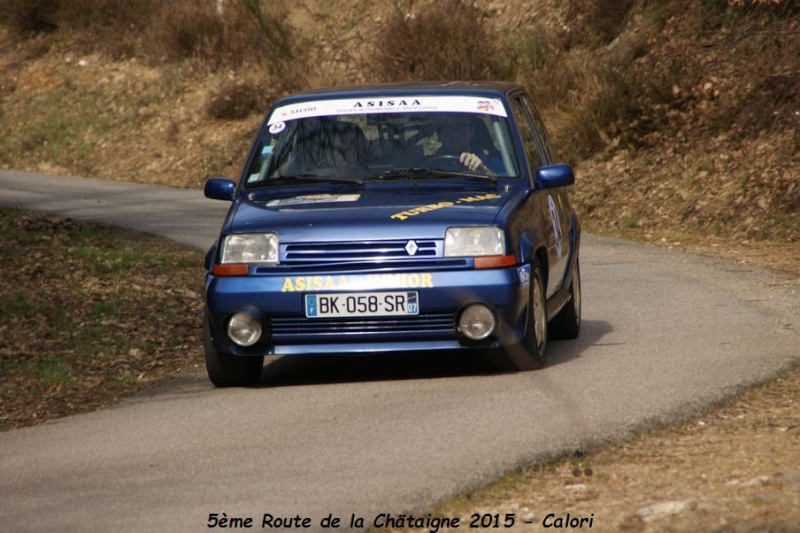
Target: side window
x: 528, y: 135
x: 539, y: 124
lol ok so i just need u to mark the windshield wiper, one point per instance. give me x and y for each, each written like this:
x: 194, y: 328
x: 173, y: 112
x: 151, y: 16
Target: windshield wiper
x: 417, y: 173
x: 295, y: 179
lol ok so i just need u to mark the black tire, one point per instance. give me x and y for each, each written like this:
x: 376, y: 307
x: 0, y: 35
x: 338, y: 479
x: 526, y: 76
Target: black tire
x: 567, y: 323
x: 529, y: 354
x: 226, y: 370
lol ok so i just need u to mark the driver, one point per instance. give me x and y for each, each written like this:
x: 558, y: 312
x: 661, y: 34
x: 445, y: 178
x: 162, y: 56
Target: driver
x: 456, y: 136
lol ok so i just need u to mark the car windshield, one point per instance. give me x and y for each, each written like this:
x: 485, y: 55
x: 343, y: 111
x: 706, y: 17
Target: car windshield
x: 389, y: 139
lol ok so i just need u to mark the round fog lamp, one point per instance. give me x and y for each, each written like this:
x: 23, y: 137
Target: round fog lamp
x: 477, y: 322
x: 244, y: 329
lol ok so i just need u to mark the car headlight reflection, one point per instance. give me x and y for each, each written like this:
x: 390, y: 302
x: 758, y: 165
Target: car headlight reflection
x: 474, y: 241
x: 250, y: 248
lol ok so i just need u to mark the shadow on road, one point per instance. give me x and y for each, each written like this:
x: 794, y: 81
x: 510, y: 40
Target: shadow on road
x: 322, y: 369
x: 592, y: 332
x: 318, y: 369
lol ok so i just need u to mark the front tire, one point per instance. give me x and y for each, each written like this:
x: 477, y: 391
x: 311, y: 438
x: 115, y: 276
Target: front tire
x: 227, y: 370
x: 529, y: 354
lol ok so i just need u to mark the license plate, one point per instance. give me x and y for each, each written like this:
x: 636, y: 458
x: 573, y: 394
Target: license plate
x: 362, y: 304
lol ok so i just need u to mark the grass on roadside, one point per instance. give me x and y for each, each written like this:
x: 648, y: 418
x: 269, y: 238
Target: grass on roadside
x: 89, y: 314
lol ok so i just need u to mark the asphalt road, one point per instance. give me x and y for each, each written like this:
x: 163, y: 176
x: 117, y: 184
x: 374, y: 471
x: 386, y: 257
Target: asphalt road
x: 664, y: 335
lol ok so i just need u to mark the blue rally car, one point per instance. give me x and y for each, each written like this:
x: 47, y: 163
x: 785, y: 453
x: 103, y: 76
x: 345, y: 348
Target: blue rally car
x: 394, y: 218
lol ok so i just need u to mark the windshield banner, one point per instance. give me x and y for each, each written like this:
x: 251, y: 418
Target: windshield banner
x: 389, y: 104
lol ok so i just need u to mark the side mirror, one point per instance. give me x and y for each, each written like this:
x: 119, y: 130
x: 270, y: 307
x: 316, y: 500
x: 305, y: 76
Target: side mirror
x: 219, y: 189
x: 552, y: 176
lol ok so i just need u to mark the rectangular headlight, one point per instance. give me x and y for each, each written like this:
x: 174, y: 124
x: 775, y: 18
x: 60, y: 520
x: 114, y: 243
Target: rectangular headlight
x: 474, y: 241
x: 250, y: 248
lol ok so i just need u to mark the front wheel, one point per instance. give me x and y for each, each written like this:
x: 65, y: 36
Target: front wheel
x: 529, y: 354
x: 227, y: 370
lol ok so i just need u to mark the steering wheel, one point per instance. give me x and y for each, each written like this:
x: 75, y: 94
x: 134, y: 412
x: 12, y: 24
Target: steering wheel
x: 451, y: 162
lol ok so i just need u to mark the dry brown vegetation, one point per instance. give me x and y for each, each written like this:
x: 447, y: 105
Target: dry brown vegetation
x: 457, y: 34
x: 680, y: 116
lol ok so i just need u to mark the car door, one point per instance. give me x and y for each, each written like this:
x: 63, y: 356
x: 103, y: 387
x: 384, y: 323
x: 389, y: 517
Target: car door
x: 551, y: 204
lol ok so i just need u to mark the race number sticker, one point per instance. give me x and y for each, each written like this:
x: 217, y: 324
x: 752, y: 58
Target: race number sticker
x: 277, y: 127
x: 558, y: 234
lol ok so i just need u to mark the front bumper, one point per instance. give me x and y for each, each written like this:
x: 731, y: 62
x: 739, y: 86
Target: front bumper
x: 277, y: 301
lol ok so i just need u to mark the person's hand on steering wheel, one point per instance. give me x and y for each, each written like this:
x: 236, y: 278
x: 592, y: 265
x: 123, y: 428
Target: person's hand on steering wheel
x: 472, y: 162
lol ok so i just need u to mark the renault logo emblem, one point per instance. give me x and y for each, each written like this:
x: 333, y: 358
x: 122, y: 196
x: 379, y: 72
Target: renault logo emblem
x: 411, y: 247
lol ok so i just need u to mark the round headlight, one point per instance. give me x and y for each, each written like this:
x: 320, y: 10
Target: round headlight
x: 244, y: 329
x: 477, y: 322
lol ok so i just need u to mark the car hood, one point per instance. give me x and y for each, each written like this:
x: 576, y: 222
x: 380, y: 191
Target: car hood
x: 366, y: 214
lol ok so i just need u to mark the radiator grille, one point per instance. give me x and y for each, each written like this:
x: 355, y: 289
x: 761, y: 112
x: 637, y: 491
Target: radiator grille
x: 360, y: 251
x: 310, y: 327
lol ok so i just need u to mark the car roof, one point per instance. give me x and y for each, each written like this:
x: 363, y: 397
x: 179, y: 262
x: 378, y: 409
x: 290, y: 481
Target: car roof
x: 464, y: 88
